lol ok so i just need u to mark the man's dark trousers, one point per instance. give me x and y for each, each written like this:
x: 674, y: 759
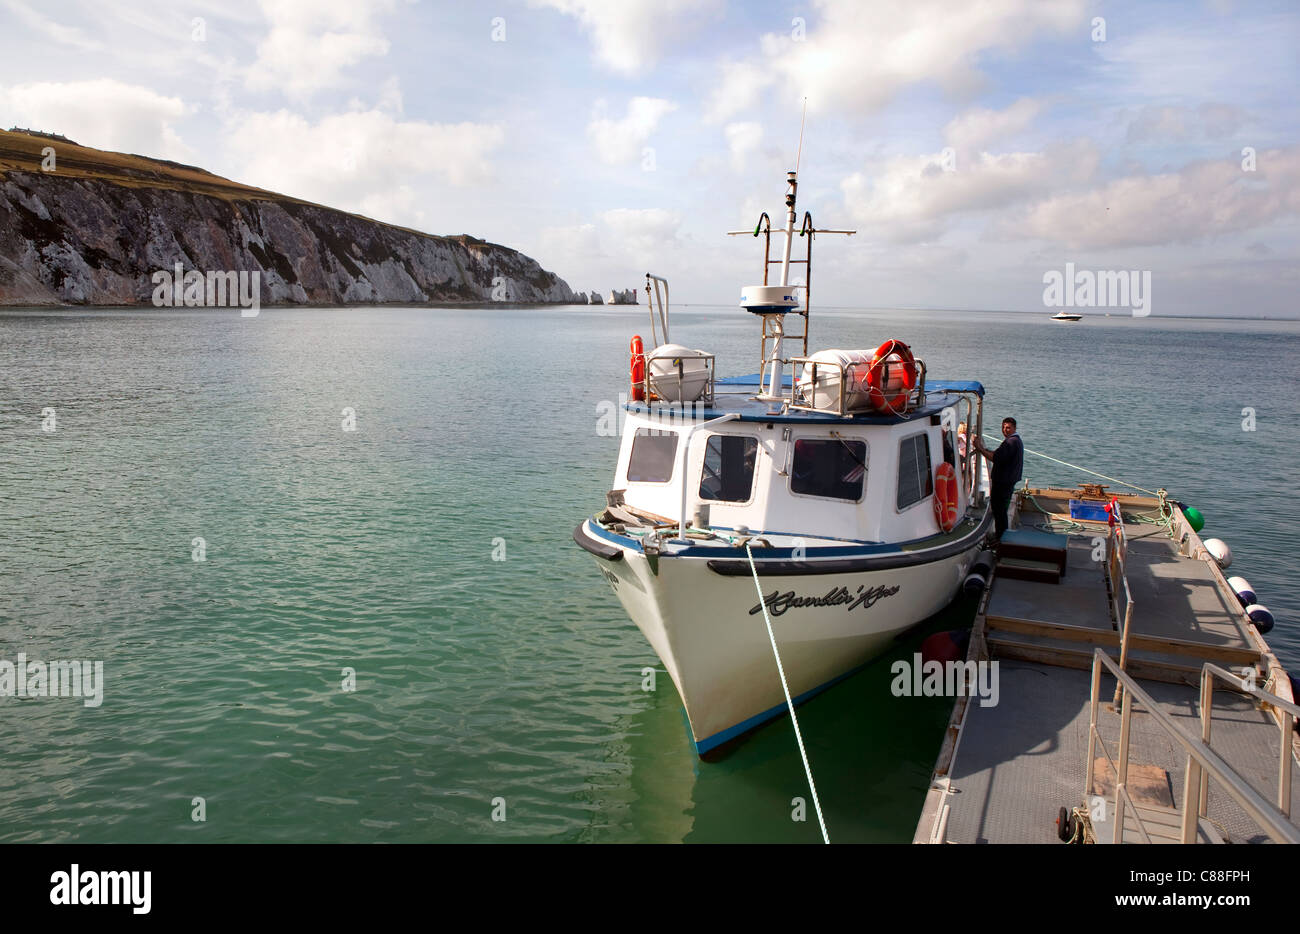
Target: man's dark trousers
x: 1001, y: 500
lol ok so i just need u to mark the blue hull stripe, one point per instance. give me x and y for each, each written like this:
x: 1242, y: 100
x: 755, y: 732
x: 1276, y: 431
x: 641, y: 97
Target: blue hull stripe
x: 717, y: 739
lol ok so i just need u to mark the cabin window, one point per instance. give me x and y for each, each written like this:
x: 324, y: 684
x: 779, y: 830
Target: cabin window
x: 949, y: 451
x: 728, y: 468
x: 915, y: 482
x: 832, y: 468
x: 653, y: 453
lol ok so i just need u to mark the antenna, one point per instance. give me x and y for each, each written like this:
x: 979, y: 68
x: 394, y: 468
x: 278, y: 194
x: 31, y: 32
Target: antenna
x: 799, y: 155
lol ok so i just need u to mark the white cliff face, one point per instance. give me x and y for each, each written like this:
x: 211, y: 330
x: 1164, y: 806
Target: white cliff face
x: 87, y: 241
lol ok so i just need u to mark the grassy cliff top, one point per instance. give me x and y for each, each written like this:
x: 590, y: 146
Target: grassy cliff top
x: 21, y: 151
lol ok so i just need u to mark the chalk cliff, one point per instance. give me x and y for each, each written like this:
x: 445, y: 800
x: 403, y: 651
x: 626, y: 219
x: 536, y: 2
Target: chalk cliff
x: 82, y: 226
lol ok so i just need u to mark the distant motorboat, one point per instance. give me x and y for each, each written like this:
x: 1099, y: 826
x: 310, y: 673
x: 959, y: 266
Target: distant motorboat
x: 1067, y: 316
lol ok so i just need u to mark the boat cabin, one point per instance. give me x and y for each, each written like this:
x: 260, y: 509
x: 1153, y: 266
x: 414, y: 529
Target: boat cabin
x: 742, y: 465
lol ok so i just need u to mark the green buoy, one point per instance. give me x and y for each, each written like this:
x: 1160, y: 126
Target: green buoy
x: 1194, y: 517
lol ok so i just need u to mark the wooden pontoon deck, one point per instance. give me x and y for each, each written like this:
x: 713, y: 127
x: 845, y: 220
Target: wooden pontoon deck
x: 1005, y: 770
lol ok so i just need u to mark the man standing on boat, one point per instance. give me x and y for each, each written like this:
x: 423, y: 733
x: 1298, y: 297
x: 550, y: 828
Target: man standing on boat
x: 1008, y: 463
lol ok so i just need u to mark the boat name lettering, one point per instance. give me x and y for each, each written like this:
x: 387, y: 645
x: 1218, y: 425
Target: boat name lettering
x: 778, y: 603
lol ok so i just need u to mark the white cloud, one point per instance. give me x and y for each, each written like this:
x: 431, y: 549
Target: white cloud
x: 103, y: 113
x: 623, y: 236
x: 311, y: 42
x: 1201, y: 200
x: 60, y: 33
x: 570, y: 245
x: 970, y: 132
x: 360, y: 161
x: 628, y: 36
x: 739, y: 88
x: 1177, y: 124
x: 743, y: 140
x: 914, y: 198
x: 858, y: 55
x: 390, y: 96
x: 621, y: 141
x: 642, y: 228
x: 1199, y: 58
x: 621, y: 243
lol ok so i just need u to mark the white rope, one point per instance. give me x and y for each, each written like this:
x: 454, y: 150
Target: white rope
x: 785, y: 687
x: 1085, y: 470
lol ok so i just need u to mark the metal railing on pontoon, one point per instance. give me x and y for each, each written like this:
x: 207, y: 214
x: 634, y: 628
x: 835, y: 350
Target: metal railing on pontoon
x: 1202, y: 761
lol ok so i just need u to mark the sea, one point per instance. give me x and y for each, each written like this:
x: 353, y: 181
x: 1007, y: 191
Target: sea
x: 325, y: 559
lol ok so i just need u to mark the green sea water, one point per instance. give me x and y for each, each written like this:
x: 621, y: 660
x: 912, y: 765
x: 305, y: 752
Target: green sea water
x: 428, y: 550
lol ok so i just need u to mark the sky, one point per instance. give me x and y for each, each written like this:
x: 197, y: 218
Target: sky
x: 976, y: 148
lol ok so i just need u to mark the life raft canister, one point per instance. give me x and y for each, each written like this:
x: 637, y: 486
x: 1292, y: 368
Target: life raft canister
x: 891, y: 377
x: 638, y: 369
x: 945, y: 496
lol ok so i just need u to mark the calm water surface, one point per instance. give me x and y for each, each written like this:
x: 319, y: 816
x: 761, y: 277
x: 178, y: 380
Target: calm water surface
x: 477, y: 679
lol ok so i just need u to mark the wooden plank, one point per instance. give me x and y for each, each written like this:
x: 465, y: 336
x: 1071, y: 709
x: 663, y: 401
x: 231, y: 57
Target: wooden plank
x: 1232, y: 655
x: 1036, y: 571
x: 647, y: 514
x: 631, y: 515
x: 1032, y: 627
x: 1147, y: 785
x: 1142, y: 669
x: 1204, y: 651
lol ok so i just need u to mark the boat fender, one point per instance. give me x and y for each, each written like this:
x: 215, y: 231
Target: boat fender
x: 893, y: 371
x: 638, y: 369
x: 945, y: 496
x: 945, y: 646
x: 1219, y: 551
x: 1261, y: 617
x: 1194, y: 517
x: 1241, y: 587
x: 980, y: 572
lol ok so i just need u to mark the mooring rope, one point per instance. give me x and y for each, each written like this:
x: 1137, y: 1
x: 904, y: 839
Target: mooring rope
x: 1084, y: 469
x: 786, y: 687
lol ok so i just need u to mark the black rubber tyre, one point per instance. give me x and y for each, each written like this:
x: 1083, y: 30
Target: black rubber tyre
x: 1063, y: 829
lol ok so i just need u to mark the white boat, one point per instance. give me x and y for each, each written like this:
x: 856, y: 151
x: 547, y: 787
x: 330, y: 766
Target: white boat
x: 1067, y: 316
x: 852, y: 486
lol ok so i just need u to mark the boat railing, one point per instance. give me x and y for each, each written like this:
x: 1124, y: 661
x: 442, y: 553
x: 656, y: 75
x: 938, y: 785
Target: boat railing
x: 1117, y: 582
x: 803, y: 393
x: 658, y: 302
x: 654, y: 385
x: 1285, y: 711
x: 1203, y: 762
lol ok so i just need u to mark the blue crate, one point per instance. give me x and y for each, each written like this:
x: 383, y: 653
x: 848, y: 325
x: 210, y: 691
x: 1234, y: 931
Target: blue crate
x: 1088, y: 511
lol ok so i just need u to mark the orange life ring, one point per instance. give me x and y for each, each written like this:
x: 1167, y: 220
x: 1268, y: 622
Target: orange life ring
x: 892, y: 371
x: 638, y: 368
x: 945, y: 496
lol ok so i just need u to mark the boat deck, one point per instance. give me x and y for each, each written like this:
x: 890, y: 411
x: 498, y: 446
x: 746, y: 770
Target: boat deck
x: 1005, y: 770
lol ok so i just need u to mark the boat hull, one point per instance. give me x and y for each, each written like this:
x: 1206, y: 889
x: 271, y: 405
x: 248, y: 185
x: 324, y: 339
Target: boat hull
x: 704, y: 619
